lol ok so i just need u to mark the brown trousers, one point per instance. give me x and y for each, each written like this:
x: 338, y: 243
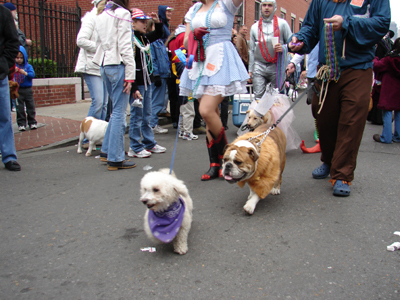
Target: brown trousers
x: 341, y: 121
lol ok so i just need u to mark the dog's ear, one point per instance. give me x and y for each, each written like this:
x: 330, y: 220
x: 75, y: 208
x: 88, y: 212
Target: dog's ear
x: 180, y: 188
x: 268, y: 118
x: 253, y: 154
x: 248, y: 111
x: 226, y: 147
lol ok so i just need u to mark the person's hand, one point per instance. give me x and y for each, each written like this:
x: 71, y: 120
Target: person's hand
x: 250, y: 80
x: 127, y: 87
x: 295, y: 45
x: 336, y: 22
x: 28, y: 42
x: 278, y: 48
x: 137, y: 95
x: 154, y: 16
x: 303, y: 74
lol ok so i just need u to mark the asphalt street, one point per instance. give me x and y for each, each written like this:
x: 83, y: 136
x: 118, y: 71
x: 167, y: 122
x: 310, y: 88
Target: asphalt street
x: 71, y: 229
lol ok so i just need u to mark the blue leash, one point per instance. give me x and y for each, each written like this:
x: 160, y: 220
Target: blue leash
x: 176, y: 142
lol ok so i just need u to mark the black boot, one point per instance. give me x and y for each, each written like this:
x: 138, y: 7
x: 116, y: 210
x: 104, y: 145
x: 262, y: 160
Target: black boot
x: 213, y: 172
x: 220, y: 143
x: 216, y: 152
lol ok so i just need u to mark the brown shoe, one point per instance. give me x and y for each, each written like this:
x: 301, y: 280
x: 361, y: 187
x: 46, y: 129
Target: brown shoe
x: 199, y: 130
x: 103, y: 157
x: 377, y: 138
x: 126, y: 164
x: 167, y: 115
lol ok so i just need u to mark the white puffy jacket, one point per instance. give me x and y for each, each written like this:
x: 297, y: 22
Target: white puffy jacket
x: 114, y: 30
x: 86, y: 40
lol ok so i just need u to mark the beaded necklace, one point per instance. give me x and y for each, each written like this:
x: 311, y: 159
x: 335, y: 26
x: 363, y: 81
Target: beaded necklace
x: 281, y: 68
x: 206, y: 39
x: 145, y: 57
x: 330, y: 54
x: 330, y: 71
x: 263, y: 45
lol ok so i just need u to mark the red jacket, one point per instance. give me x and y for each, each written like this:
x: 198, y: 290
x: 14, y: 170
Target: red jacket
x: 388, y: 69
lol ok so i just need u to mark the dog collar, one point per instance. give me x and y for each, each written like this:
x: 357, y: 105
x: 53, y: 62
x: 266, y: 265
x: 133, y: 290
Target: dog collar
x: 165, y: 225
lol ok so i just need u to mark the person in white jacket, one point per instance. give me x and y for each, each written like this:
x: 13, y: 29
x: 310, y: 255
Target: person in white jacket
x: 86, y: 40
x: 115, y: 57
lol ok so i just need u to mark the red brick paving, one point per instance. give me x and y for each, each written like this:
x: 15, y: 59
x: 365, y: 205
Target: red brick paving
x: 55, y: 130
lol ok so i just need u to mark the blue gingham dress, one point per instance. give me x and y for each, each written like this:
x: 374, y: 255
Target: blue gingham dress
x: 229, y: 75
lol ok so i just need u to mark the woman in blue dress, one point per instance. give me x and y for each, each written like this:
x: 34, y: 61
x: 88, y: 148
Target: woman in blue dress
x: 220, y: 74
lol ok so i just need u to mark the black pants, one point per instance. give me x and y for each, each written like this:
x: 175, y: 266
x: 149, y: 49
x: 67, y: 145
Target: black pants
x: 26, y: 100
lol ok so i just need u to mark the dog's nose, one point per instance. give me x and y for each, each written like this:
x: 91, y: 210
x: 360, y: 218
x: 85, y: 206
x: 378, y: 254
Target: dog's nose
x: 144, y: 201
x: 228, y: 166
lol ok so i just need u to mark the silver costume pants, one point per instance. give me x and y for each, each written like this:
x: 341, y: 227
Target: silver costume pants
x: 263, y: 74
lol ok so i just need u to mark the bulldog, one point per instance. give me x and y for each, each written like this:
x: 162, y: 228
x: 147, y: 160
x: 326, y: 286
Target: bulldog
x: 260, y: 167
x: 94, y: 130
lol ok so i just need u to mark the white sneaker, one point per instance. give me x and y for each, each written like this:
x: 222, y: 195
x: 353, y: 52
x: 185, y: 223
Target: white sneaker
x: 158, y: 129
x: 181, y: 134
x: 33, y: 126
x: 158, y: 149
x: 142, y: 154
x: 190, y: 136
x: 21, y: 128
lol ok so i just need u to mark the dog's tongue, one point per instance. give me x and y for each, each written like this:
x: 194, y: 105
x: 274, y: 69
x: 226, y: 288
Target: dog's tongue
x: 228, y: 178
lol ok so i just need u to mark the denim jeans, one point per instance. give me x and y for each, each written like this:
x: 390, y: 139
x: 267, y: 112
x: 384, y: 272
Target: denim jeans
x: 7, y: 143
x: 387, y: 135
x: 157, y: 101
x: 139, y: 123
x: 113, y: 143
x: 99, y: 95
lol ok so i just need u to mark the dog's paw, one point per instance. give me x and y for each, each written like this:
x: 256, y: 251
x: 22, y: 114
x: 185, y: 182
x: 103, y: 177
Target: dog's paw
x: 182, y: 249
x: 275, y: 191
x: 249, y: 208
x: 79, y: 151
x: 88, y: 154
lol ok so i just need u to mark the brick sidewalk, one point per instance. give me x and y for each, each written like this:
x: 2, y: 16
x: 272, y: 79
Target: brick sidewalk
x: 52, y: 130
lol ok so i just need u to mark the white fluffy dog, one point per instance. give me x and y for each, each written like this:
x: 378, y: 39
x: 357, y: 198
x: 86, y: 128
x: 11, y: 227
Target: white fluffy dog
x: 169, y: 214
x: 94, y: 130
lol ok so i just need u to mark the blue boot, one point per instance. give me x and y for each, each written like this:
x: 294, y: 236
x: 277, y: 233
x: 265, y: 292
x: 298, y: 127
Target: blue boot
x: 321, y: 172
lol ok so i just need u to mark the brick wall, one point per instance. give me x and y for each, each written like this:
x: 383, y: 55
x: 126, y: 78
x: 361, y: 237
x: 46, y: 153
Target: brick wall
x: 55, y: 91
x: 53, y: 95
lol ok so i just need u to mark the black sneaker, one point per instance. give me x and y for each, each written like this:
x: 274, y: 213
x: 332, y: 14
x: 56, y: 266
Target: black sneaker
x: 12, y: 166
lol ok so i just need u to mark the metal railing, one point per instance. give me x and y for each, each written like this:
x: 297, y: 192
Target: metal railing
x: 53, y: 29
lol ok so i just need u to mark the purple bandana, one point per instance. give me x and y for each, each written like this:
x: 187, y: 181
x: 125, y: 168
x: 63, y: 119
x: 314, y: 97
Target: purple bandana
x: 165, y: 225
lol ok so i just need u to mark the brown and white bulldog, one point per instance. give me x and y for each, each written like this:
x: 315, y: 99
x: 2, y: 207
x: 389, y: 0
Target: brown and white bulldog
x: 261, y: 168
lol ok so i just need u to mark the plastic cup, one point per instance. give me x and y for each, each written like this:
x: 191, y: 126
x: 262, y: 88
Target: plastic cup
x: 274, y: 40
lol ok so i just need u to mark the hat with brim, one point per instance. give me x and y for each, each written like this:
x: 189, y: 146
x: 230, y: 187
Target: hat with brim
x: 169, y: 8
x: 139, y: 14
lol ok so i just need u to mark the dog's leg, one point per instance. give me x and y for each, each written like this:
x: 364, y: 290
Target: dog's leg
x: 81, y: 137
x: 276, y: 190
x: 251, y: 203
x: 89, y: 152
x: 180, y: 241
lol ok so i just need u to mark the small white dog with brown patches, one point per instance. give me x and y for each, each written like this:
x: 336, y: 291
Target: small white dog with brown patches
x: 168, y: 217
x: 94, y: 130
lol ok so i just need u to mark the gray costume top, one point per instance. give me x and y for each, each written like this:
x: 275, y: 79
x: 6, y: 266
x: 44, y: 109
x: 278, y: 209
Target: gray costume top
x: 268, y: 31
